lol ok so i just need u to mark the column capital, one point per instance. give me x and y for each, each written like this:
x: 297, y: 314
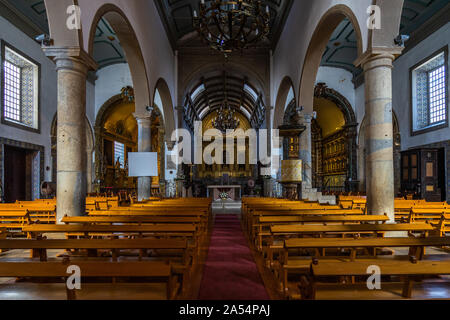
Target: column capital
x: 308, y: 117
x: 377, y: 57
x: 170, y: 145
x: 142, y: 118
x: 71, y: 58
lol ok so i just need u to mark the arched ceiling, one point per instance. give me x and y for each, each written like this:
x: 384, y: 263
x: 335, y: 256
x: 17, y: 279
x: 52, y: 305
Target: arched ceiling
x: 177, y: 16
x: 211, y: 91
x: 341, y: 50
x: 32, y: 13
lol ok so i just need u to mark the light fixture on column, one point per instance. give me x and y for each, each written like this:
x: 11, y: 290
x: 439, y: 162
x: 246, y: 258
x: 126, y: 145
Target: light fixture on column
x: 228, y: 26
x: 401, y: 39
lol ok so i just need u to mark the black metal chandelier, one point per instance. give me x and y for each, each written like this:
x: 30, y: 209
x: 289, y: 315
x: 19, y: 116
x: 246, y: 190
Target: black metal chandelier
x: 226, y: 119
x: 228, y: 26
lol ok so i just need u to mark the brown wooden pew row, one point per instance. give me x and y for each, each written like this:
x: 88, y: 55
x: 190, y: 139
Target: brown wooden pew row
x: 132, y: 219
x: 38, y: 213
x: 158, y: 271
x: 14, y: 220
x: 281, y: 232
x: 416, y: 245
x: 125, y: 212
x: 266, y: 221
x: 443, y: 227
x: 255, y: 215
x: 157, y: 230
x: 405, y: 269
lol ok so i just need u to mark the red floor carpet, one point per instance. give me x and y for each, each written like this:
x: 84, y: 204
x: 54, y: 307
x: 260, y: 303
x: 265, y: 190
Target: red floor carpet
x: 230, y: 271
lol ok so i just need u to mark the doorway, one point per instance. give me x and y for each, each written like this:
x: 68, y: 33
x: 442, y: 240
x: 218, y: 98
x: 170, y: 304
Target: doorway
x: 17, y: 166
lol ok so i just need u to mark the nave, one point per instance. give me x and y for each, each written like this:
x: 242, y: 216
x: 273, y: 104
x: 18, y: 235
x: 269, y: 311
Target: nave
x: 181, y: 249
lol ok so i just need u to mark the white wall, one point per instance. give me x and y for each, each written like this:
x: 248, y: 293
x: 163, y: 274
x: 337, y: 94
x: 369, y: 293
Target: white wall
x: 48, y: 96
x: 401, y: 88
x: 339, y: 80
x: 110, y: 81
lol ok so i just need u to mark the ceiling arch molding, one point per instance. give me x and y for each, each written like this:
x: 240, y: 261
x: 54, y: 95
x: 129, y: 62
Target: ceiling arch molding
x: 317, y: 46
x: 129, y: 42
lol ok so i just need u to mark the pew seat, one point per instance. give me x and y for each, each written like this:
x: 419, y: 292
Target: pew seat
x: 152, y: 271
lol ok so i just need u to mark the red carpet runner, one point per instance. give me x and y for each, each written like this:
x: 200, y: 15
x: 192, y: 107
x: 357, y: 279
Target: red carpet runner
x: 230, y: 271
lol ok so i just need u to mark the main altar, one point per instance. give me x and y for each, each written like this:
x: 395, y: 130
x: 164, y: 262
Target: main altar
x: 234, y: 192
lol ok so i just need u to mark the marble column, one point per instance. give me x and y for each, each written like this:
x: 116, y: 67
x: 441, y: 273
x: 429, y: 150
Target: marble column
x: 89, y: 165
x: 162, y: 160
x: 72, y: 66
x: 144, y: 145
x: 379, y: 134
x: 305, y: 152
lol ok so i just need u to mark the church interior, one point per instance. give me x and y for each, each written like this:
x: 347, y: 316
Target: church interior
x: 224, y: 150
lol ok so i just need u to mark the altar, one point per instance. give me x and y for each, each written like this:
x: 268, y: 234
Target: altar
x: 234, y: 192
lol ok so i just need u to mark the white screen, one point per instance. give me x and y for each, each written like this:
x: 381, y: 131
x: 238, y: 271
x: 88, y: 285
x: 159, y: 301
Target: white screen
x: 142, y: 164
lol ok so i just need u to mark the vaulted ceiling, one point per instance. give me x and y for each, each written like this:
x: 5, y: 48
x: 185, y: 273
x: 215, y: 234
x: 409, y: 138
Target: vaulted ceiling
x: 209, y: 93
x: 177, y: 16
x: 341, y: 50
x: 107, y: 48
x: 30, y: 16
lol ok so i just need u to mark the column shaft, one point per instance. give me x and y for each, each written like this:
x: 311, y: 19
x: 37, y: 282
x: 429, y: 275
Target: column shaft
x: 379, y: 135
x: 71, y: 137
x: 305, y: 153
x: 144, y: 145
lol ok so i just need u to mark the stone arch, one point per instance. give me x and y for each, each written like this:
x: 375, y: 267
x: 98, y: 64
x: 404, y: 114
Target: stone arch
x: 280, y: 104
x: 130, y: 44
x: 57, y: 20
x: 167, y: 108
x: 391, y: 15
x: 89, y: 149
x: 321, y: 36
x: 350, y: 129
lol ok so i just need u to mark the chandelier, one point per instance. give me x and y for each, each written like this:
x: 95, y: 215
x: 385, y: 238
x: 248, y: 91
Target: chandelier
x: 226, y: 119
x: 227, y: 25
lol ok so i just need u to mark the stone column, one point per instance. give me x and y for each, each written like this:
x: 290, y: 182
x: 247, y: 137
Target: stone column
x: 72, y: 65
x: 379, y: 134
x: 162, y: 159
x: 305, y: 152
x: 144, y: 145
x: 89, y: 170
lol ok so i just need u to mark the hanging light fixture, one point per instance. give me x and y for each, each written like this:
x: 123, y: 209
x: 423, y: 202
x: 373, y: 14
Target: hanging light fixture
x: 226, y: 119
x: 228, y: 26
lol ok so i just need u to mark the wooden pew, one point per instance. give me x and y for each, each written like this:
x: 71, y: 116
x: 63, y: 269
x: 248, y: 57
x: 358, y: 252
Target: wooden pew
x: 158, y: 271
x: 131, y: 219
x: 443, y: 227
x: 203, y: 215
x: 280, y: 232
x: 416, y: 253
x: 14, y: 220
x: 166, y: 230
x: 265, y: 222
x: 405, y: 269
x: 254, y: 215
